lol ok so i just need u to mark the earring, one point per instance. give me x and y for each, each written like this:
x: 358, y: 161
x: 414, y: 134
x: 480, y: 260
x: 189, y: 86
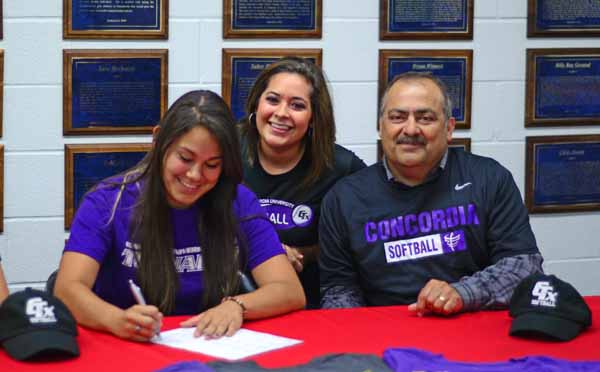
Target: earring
x: 309, y: 132
x: 250, y: 118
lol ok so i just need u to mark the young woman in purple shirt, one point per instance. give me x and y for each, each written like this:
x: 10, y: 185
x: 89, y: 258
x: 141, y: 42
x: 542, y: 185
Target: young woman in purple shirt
x: 181, y: 226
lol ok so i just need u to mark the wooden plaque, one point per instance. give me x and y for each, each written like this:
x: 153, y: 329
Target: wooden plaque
x: 562, y: 173
x: 88, y: 164
x: 272, y: 19
x: 114, y: 91
x: 453, y: 67
x: 562, y: 87
x: 426, y: 20
x: 571, y: 18
x: 115, y: 19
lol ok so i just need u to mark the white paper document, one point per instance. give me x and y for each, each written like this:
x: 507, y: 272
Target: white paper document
x: 242, y: 344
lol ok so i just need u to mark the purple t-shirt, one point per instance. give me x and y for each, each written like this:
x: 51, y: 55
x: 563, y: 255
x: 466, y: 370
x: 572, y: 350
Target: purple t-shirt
x: 410, y: 360
x: 107, y: 240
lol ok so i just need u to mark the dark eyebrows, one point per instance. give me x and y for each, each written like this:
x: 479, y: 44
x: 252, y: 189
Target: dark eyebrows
x: 396, y: 111
x: 426, y: 111
x: 190, y: 152
x: 417, y: 112
x: 293, y: 98
x: 215, y: 158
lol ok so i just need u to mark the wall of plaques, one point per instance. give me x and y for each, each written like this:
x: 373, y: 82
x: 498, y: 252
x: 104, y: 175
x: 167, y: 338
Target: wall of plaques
x: 84, y: 83
x: 562, y: 90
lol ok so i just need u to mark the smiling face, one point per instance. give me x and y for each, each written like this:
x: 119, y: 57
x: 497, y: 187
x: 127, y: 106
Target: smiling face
x: 284, y: 111
x: 413, y: 128
x: 191, y: 167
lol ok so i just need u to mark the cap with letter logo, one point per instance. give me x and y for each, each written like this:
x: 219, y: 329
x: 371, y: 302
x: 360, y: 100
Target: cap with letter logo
x: 543, y: 305
x: 35, y: 323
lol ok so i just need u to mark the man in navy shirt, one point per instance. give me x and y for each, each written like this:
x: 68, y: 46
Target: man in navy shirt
x: 436, y: 228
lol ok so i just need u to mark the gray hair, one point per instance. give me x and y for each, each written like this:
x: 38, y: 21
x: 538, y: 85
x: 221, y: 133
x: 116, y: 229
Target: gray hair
x: 414, y: 75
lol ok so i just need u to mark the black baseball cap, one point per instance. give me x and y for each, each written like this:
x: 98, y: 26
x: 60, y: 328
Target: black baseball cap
x: 543, y: 305
x: 35, y: 323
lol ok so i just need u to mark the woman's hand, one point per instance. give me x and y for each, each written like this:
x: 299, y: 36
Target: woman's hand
x: 296, y: 258
x: 138, y: 323
x: 222, y: 320
x: 76, y: 276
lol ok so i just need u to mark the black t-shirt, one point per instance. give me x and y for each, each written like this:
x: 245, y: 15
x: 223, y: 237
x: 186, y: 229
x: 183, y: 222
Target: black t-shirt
x: 389, y: 239
x: 295, y: 211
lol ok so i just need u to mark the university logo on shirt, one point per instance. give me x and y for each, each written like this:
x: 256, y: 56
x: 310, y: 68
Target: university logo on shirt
x: 285, y: 215
x: 425, y: 246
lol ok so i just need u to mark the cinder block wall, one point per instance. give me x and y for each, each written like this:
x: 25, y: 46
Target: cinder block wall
x: 33, y: 235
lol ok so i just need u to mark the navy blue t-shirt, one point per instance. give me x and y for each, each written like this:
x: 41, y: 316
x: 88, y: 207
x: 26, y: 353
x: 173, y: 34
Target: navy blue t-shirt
x: 389, y: 239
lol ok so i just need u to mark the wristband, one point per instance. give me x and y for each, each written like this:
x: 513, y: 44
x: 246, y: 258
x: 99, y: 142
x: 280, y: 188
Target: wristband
x: 237, y: 301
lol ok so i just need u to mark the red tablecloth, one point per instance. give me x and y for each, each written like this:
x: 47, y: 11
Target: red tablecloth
x: 481, y: 336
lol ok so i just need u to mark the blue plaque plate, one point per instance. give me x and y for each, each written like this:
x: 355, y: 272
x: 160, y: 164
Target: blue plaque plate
x: 551, y: 18
x: 116, y: 92
x: 90, y: 168
x: 86, y: 165
x: 272, y: 18
x: 115, y: 19
x: 426, y: 19
x: 427, y: 15
x: 274, y: 15
x: 566, y: 173
x: 452, y: 71
x: 116, y: 15
x: 567, y: 87
x: 105, y: 92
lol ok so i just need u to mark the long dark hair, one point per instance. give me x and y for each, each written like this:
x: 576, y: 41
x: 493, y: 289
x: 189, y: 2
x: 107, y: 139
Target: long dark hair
x: 320, y: 145
x: 218, y: 229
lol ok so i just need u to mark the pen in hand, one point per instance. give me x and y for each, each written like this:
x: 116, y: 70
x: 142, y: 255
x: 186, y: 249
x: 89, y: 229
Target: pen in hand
x: 139, y: 297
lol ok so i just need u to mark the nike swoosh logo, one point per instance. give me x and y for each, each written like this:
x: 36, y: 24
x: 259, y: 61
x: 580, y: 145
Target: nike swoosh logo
x: 458, y: 187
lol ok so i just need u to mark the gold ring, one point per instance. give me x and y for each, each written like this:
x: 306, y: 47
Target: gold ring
x: 442, y: 298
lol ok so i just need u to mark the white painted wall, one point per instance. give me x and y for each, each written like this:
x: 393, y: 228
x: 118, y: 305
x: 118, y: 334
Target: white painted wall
x: 34, y: 187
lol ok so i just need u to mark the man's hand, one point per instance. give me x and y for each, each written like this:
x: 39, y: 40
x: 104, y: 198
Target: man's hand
x: 437, y: 297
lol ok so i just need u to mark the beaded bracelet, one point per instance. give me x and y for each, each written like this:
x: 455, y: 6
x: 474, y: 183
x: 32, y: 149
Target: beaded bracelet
x: 236, y: 300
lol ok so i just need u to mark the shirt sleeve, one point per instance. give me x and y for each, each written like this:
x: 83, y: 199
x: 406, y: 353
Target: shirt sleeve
x: 260, y: 236
x: 338, y: 277
x: 511, y: 245
x: 91, y: 229
x: 492, y: 287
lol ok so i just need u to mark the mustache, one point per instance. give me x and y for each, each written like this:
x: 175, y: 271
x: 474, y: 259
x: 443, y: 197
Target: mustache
x: 406, y: 140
